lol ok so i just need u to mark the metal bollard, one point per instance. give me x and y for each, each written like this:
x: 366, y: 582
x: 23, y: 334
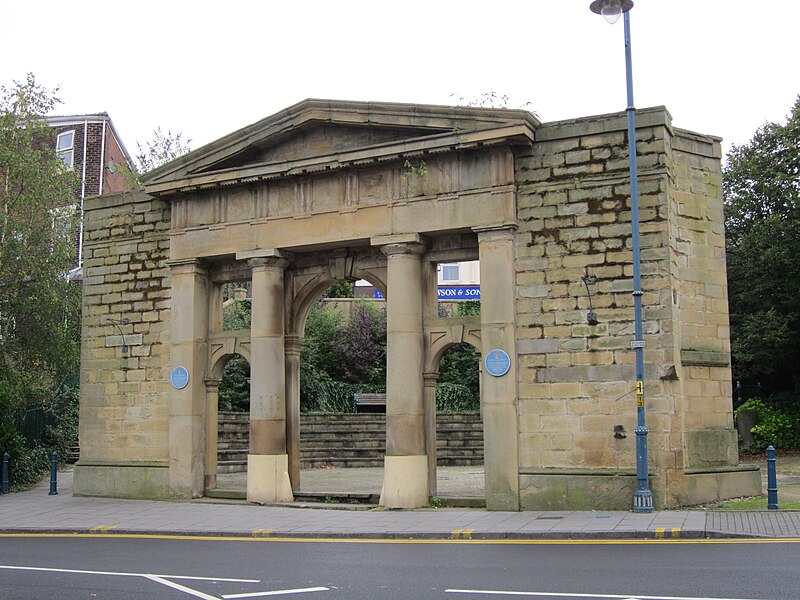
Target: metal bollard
x: 53, y: 474
x: 772, y: 480
x: 4, y: 481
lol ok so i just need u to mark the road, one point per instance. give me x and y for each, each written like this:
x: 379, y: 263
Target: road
x: 119, y: 568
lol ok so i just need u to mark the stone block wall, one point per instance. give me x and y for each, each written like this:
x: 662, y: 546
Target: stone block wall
x: 124, y: 416
x: 577, y: 402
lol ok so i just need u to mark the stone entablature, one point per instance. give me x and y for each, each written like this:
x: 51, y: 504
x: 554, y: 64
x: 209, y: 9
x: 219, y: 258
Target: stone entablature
x: 326, y: 191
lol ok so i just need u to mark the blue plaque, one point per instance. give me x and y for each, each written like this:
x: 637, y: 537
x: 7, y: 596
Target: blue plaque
x: 180, y: 378
x: 497, y: 362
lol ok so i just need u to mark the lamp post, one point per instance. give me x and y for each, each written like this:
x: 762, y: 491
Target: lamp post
x: 642, y: 498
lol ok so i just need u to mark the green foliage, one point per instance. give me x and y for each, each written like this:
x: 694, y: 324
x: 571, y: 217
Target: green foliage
x: 340, y: 359
x: 340, y: 289
x: 415, y: 179
x: 359, y: 348
x: 160, y: 150
x: 30, y: 459
x: 456, y: 398
x: 459, y: 371
x: 237, y: 315
x: 234, y: 388
x: 39, y: 306
x: 761, y: 182
x: 776, y: 427
x: 469, y: 308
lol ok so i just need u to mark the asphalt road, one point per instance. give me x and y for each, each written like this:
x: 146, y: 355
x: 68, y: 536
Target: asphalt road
x: 121, y: 569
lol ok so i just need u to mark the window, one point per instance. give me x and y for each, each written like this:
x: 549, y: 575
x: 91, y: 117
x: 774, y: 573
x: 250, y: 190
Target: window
x: 65, y: 148
x: 450, y: 272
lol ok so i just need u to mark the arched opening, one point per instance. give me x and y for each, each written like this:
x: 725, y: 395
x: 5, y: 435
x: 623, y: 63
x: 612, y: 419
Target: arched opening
x: 342, y: 440
x: 227, y: 423
x: 459, y: 428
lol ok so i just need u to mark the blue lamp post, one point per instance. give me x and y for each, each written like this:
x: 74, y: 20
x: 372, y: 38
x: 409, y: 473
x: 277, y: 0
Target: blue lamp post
x: 642, y: 498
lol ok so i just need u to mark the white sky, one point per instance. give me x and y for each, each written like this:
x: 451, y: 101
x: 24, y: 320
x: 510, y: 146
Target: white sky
x: 207, y: 68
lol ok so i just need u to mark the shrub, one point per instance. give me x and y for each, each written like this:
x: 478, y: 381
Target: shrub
x: 776, y: 427
x: 456, y: 398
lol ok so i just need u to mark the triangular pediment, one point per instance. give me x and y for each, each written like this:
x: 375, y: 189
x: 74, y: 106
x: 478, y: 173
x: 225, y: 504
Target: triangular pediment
x: 316, y: 135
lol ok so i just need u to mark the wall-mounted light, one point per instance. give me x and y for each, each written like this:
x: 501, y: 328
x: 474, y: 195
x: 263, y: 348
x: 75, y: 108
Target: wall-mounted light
x: 591, y: 316
x: 117, y: 325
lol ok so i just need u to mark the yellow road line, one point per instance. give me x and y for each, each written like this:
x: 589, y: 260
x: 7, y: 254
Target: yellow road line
x: 103, y: 528
x: 526, y: 542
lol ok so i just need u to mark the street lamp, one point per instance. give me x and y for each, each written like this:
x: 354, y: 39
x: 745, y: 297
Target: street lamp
x: 642, y: 498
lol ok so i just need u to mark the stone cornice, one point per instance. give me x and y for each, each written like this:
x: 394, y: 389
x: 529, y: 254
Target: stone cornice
x: 405, y: 149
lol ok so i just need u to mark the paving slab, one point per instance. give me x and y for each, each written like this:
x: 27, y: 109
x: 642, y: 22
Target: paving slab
x: 35, y: 511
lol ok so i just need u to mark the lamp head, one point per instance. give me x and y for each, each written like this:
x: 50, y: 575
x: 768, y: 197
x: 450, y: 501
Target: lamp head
x: 611, y: 9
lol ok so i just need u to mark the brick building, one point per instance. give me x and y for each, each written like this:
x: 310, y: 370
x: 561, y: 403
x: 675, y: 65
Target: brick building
x: 90, y: 146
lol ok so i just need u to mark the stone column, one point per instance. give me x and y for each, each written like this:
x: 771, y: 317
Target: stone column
x: 212, y: 429
x: 188, y: 348
x: 405, y: 478
x: 499, y: 394
x: 430, y: 380
x: 294, y: 346
x: 267, y: 462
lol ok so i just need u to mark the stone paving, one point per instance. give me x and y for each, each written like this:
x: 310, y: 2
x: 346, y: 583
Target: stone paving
x: 35, y: 511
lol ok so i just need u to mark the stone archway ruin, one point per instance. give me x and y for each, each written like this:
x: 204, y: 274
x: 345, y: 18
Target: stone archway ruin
x: 329, y: 190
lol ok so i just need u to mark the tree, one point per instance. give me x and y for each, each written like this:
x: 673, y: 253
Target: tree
x: 163, y: 148
x: 761, y: 183
x: 39, y: 306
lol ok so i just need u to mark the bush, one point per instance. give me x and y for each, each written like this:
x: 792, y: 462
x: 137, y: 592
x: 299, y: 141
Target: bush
x: 29, y: 460
x: 775, y: 427
x: 456, y: 398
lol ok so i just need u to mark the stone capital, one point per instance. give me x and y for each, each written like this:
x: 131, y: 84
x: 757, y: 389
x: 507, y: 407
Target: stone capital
x: 430, y: 378
x: 495, y: 233
x: 267, y: 258
x: 403, y: 249
x: 293, y: 345
x: 187, y: 266
x: 212, y: 385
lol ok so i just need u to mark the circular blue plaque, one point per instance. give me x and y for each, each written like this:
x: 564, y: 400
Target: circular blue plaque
x: 180, y: 378
x: 497, y: 362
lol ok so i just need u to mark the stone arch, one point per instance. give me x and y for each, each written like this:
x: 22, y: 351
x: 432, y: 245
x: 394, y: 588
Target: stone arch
x: 221, y: 351
x: 309, y: 285
x: 442, y: 334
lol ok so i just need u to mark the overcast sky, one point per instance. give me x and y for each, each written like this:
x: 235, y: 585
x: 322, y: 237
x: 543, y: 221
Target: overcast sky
x: 722, y: 67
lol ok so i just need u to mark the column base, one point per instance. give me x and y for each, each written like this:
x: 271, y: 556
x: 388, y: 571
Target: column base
x: 405, y: 482
x: 268, y: 478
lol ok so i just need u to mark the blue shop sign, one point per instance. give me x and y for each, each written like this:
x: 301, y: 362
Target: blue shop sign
x: 451, y: 292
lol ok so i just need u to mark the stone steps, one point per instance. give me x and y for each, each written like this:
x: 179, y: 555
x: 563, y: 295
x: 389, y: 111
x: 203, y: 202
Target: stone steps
x: 352, y: 440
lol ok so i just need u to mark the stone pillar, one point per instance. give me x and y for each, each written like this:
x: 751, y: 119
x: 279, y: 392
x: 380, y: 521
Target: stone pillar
x: 499, y: 394
x: 212, y: 429
x: 429, y: 400
x: 405, y: 479
x: 268, y: 462
x: 294, y: 346
x: 188, y: 331
x: 215, y: 307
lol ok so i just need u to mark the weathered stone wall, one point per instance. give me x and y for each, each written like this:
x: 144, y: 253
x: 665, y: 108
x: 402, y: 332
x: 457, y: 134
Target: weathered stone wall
x: 577, y: 381
x: 124, y: 416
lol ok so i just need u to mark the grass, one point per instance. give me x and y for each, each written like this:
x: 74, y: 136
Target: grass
x: 790, y: 492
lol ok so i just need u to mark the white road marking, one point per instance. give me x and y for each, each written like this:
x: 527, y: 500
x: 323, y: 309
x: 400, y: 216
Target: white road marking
x: 276, y: 593
x: 160, y: 579
x: 123, y: 574
x: 597, y: 596
x: 180, y: 588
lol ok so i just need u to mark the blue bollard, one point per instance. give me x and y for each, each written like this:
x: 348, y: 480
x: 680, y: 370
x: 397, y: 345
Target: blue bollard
x: 4, y: 482
x: 53, y: 474
x: 772, y: 480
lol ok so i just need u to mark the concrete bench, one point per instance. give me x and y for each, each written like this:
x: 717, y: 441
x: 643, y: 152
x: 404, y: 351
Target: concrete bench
x: 369, y: 402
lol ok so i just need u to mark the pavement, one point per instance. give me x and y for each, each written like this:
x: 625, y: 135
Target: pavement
x: 35, y: 511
